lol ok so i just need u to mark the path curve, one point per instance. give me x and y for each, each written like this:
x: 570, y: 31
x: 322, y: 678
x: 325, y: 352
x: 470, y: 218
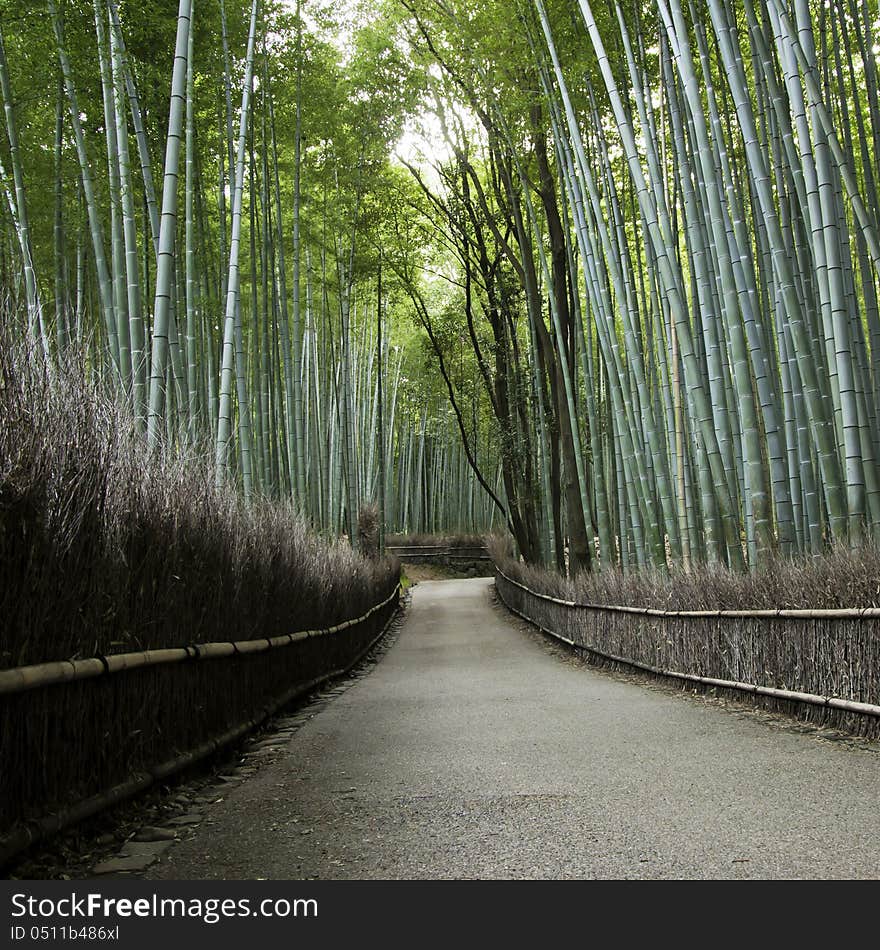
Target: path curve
x: 471, y: 751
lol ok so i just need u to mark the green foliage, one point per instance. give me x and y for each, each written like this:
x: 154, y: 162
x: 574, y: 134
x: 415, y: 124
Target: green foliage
x: 601, y: 277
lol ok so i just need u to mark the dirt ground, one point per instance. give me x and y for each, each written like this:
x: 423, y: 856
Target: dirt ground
x: 428, y: 572
x: 445, y: 572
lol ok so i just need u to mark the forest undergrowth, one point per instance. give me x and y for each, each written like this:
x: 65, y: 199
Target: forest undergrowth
x: 104, y: 549
x: 842, y: 577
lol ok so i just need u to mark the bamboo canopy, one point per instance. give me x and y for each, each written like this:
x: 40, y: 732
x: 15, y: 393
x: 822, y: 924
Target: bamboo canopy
x: 623, y: 303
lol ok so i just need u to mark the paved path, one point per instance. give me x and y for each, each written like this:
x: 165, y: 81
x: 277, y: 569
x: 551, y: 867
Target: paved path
x: 472, y: 751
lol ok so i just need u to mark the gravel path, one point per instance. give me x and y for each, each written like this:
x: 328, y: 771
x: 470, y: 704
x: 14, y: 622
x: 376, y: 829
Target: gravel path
x: 471, y: 751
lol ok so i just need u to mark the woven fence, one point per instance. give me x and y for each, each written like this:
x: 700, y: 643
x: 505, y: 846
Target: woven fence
x: 79, y: 735
x: 822, y: 665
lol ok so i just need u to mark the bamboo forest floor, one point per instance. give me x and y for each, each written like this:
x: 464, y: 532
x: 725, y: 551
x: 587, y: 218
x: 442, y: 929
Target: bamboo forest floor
x: 435, y: 572
x: 475, y: 749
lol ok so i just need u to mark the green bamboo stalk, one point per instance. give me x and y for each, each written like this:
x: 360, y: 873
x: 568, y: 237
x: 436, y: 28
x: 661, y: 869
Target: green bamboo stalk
x: 134, y: 309
x: 62, y: 301
x: 189, y: 248
x: 231, y: 339
x: 36, y: 319
x: 117, y: 255
x: 163, y: 327
x: 297, y: 402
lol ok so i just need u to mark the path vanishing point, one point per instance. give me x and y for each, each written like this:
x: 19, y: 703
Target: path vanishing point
x: 475, y: 750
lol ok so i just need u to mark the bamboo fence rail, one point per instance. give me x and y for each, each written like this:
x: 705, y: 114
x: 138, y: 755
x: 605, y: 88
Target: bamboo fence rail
x: 21, y: 678
x: 101, y: 737
x: 438, y: 552
x: 825, y: 659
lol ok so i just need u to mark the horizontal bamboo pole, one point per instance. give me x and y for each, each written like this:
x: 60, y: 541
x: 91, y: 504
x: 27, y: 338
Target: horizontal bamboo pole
x: 831, y: 702
x: 21, y: 678
x: 26, y: 835
x: 435, y: 547
x: 840, y: 613
x: 467, y: 554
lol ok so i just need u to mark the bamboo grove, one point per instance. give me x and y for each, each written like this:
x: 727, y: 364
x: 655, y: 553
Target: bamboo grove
x: 679, y: 202
x: 625, y: 303
x: 183, y: 263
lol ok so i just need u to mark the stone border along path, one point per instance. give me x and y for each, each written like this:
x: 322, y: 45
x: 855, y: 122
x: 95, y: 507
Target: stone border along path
x: 474, y: 751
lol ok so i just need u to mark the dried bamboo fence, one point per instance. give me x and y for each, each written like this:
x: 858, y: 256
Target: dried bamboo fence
x: 472, y: 559
x: 820, y: 665
x: 93, y: 732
